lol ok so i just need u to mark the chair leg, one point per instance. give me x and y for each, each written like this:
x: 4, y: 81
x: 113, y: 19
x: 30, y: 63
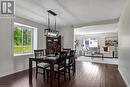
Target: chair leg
x: 74, y: 70
x: 36, y: 72
x: 69, y: 72
x: 47, y: 73
x: 58, y: 79
x: 64, y: 74
x: 44, y: 74
x: 55, y: 75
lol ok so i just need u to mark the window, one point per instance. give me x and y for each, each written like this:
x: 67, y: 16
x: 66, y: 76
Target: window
x: 91, y: 43
x: 23, y: 39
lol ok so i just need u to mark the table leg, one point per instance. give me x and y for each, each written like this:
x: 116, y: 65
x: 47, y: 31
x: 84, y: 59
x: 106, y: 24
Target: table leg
x: 74, y: 67
x: 30, y: 72
x: 51, y: 73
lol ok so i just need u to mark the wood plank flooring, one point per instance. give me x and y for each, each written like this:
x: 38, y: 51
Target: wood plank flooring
x: 87, y: 75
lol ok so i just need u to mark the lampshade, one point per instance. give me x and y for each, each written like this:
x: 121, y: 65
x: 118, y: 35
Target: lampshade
x: 51, y: 33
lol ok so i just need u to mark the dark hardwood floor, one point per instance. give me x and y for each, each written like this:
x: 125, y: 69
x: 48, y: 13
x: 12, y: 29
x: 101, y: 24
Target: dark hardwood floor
x: 87, y: 75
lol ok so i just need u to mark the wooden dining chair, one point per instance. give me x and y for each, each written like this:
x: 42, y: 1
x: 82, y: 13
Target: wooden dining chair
x: 40, y: 65
x: 59, y: 67
x: 47, y: 52
x: 70, y: 63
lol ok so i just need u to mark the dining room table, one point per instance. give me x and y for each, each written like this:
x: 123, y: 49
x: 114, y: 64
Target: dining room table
x: 46, y: 59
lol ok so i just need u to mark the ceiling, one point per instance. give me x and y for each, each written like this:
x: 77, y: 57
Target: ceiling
x: 70, y: 12
x: 96, y: 29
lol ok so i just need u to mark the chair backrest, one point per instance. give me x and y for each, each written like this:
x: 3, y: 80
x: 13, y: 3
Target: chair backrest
x: 62, y: 57
x: 72, y: 56
x: 38, y: 53
x: 67, y: 50
x: 48, y: 52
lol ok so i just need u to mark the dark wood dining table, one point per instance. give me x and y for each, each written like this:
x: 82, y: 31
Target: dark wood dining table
x: 47, y: 59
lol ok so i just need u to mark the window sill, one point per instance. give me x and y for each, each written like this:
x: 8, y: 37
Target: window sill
x: 26, y: 54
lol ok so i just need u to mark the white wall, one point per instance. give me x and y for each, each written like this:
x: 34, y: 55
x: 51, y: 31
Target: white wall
x: 8, y: 63
x: 68, y: 37
x: 124, y: 45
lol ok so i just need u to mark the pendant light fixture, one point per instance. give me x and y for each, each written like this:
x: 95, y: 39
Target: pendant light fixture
x: 51, y: 32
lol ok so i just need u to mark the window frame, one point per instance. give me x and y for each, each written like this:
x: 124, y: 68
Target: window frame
x: 23, y: 26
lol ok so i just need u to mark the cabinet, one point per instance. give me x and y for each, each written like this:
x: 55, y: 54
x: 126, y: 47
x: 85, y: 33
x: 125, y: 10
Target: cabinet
x: 53, y: 43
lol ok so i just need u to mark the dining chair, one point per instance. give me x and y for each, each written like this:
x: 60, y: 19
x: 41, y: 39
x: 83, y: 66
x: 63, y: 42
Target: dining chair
x: 59, y: 67
x: 70, y: 63
x: 47, y: 52
x: 40, y: 65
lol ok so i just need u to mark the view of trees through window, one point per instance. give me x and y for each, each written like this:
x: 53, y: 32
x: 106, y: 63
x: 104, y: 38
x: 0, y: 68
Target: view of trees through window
x: 22, y: 39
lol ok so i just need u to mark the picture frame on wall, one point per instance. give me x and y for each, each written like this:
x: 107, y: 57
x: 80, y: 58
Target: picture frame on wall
x: 111, y: 41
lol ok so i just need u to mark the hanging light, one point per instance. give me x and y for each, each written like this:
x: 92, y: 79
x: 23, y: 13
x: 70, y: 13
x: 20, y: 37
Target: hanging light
x: 51, y: 32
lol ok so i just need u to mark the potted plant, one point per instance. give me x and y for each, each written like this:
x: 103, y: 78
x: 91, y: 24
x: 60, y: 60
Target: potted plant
x: 76, y: 44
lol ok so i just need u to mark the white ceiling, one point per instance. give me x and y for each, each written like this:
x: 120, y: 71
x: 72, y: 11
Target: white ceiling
x: 96, y: 29
x: 70, y: 12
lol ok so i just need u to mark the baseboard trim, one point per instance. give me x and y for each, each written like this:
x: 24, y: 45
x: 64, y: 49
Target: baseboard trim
x: 126, y: 82
x: 15, y: 72
x: 102, y: 57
